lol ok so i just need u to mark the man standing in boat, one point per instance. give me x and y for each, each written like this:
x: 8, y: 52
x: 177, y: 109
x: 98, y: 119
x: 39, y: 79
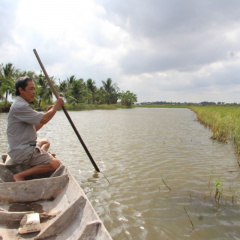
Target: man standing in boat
x: 23, y: 124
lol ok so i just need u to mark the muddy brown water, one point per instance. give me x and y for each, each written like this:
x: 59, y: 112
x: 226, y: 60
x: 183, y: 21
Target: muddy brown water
x: 158, y: 167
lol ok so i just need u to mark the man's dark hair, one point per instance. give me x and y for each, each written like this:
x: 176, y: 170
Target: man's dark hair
x: 21, y: 83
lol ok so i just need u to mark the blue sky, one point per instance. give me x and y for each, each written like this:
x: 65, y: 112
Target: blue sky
x: 162, y: 50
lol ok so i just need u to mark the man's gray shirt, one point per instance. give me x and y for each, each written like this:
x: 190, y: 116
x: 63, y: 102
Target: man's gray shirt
x: 21, y: 130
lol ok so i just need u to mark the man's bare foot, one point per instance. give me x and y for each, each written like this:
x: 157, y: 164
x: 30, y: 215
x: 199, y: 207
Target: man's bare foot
x: 53, y: 154
x: 16, y: 178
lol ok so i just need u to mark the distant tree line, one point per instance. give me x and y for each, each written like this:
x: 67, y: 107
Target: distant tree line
x: 204, y: 103
x: 72, y: 89
x: 166, y: 103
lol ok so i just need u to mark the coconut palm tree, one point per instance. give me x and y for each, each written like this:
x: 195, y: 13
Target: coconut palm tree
x: 1, y: 82
x: 75, y: 90
x: 128, y: 98
x: 91, y: 87
x: 7, y: 77
x: 30, y: 74
x: 111, y: 90
x: 44, y: 91
x: 63, y: 89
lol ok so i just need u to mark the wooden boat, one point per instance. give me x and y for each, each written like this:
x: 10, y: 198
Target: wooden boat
x: 64, y: 211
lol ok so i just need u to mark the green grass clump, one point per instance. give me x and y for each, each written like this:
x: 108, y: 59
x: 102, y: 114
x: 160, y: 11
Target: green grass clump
x: 224, y: 121
x: 219, y: 190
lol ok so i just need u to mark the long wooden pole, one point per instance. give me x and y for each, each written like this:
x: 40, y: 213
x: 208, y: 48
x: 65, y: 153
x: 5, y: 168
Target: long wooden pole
x: 66, y: 113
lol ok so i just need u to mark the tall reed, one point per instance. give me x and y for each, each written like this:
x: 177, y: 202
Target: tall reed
x: 224, y: 121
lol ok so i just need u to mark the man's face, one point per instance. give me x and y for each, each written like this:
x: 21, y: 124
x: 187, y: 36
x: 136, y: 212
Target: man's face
x: 29, y: 92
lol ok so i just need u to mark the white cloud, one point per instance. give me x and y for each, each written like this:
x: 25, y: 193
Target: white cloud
x: 160, y: 50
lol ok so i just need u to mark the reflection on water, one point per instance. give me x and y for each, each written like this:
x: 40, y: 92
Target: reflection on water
x: 140, y: 152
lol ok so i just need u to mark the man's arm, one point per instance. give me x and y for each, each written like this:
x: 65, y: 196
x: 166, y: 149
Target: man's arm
x: 39, y: 126
x: 48, y: 115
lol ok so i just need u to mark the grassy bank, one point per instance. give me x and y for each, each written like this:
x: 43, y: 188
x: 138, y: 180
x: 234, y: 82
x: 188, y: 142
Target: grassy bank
x: 78, y: 107
x: 85, y: 106
x: 224, y: 121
